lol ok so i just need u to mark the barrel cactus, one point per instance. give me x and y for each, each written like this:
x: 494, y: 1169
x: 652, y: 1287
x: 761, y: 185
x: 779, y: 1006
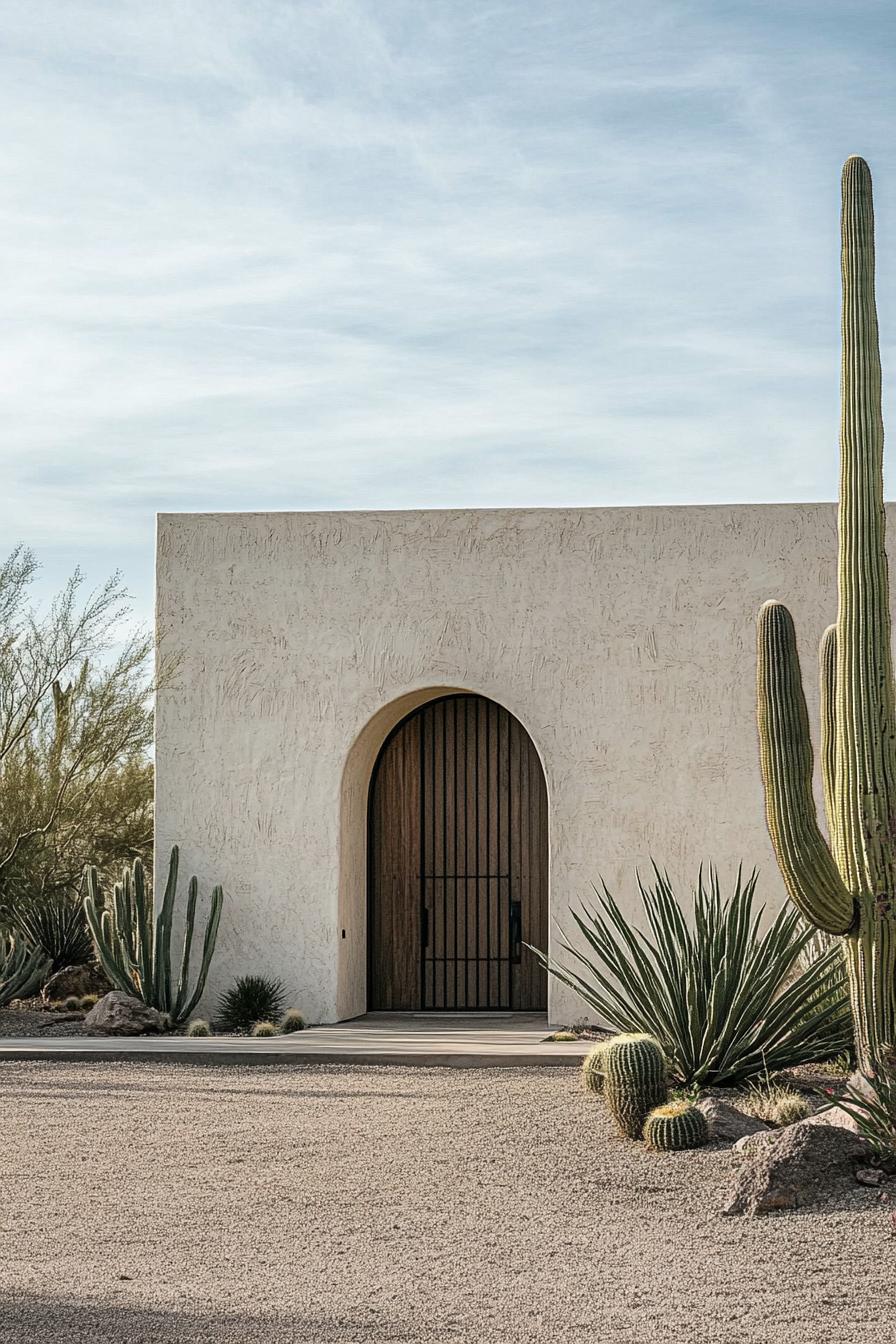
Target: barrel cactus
x: 593, y: 1067
x: 845, y: 884
x: 674, y: 1126
x: 634, y: 1080
x: 292, y: 1020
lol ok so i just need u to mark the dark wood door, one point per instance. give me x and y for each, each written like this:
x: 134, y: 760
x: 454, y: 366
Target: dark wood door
x: 458, y: 864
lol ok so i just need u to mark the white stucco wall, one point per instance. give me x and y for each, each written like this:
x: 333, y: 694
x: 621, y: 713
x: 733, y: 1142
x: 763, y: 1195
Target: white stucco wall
x: 623, y: 639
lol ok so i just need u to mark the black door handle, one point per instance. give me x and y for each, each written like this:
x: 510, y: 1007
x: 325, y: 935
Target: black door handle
x: 516, y: 930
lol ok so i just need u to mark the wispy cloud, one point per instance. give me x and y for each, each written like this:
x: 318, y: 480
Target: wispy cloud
x: 370, y: 253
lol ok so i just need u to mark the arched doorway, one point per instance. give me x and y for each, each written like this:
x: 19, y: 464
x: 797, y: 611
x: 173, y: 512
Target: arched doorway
x: 457, y: 862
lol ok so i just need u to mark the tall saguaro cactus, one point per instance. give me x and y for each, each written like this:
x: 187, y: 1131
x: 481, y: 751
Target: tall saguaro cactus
x: 848, y: 886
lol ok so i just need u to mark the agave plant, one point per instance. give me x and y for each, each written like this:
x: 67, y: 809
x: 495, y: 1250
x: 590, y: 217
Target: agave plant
x: 135, y: 954
x: 56, y: 925
x: 828, y: 945
x: 726, y: 1002
x: 23, y: 969
x: 870, y: 1100
x: 250, y: 1000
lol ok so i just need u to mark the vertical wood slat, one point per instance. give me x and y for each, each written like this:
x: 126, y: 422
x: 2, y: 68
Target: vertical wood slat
x: 491, y: 880
x: 458, y: 827
x: 394, y: 935
x: 481, y: 851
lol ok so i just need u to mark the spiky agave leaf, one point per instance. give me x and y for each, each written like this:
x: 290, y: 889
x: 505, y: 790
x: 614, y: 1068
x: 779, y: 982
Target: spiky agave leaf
x: 251, y: 999
x: 56, y: 924
x: 718, y: 994
x: 22, y: 968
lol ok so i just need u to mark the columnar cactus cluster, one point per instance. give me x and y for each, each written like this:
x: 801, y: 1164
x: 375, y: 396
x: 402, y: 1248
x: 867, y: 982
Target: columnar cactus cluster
x: 135, y: 953
x: 845, y: 884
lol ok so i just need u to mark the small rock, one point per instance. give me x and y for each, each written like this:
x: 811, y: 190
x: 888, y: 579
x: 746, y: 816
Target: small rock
x: 793, y: 1167
x: 727, y: 1123
x: 833, y: 1116
x: 119, y: 1014
x: 869, y: 1176
x: 75, y: 981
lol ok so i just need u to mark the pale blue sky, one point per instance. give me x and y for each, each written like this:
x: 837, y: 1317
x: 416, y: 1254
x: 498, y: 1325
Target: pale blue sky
x: 412, y: 253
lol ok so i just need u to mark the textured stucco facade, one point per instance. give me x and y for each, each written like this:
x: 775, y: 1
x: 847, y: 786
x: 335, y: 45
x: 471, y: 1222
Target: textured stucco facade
x: 622, y: 639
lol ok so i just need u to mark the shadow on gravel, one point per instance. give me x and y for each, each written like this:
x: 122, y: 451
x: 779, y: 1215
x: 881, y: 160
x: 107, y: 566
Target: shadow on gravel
x: 37, y: 1319
x: 63, y: 1086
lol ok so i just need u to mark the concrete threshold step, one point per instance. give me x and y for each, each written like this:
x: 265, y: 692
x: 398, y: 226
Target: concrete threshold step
x: 287, y: 1050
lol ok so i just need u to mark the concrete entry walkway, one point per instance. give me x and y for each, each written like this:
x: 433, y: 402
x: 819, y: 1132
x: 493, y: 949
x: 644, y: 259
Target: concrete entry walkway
x: 509, y: 1040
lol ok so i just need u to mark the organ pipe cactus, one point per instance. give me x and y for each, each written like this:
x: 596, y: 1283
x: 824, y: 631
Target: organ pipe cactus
x: 136, y: 955
x: 845, y: 885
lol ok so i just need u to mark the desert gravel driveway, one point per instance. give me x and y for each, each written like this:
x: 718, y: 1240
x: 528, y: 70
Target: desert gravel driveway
x: 355, y: 1205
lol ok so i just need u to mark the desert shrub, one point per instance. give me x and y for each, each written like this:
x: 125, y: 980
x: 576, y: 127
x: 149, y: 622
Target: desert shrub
x: 251, y: 999
x: 264, y: 1029
x: 76, y: 727
x: 199, y: 1027
x: 72, y: 1004
x: 776, y: 1104
x: 58, y: 926
x: 292, y: 1020
x: 88, y: 1001
x: 720, y: 997
x: 789, y: 1108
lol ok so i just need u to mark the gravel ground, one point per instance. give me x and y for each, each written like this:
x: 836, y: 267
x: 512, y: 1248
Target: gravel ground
x: 26, y: 1022
x: 175, y: 1203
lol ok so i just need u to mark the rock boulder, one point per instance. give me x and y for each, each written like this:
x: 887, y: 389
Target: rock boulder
x: 726, y: 1122
x: 75, y: 980
x: 119, y: 1014
x: 795, y: 1166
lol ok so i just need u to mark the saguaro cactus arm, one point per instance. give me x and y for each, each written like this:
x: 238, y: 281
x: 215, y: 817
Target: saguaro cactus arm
x: 827, y: 673
x: 785, y: 748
